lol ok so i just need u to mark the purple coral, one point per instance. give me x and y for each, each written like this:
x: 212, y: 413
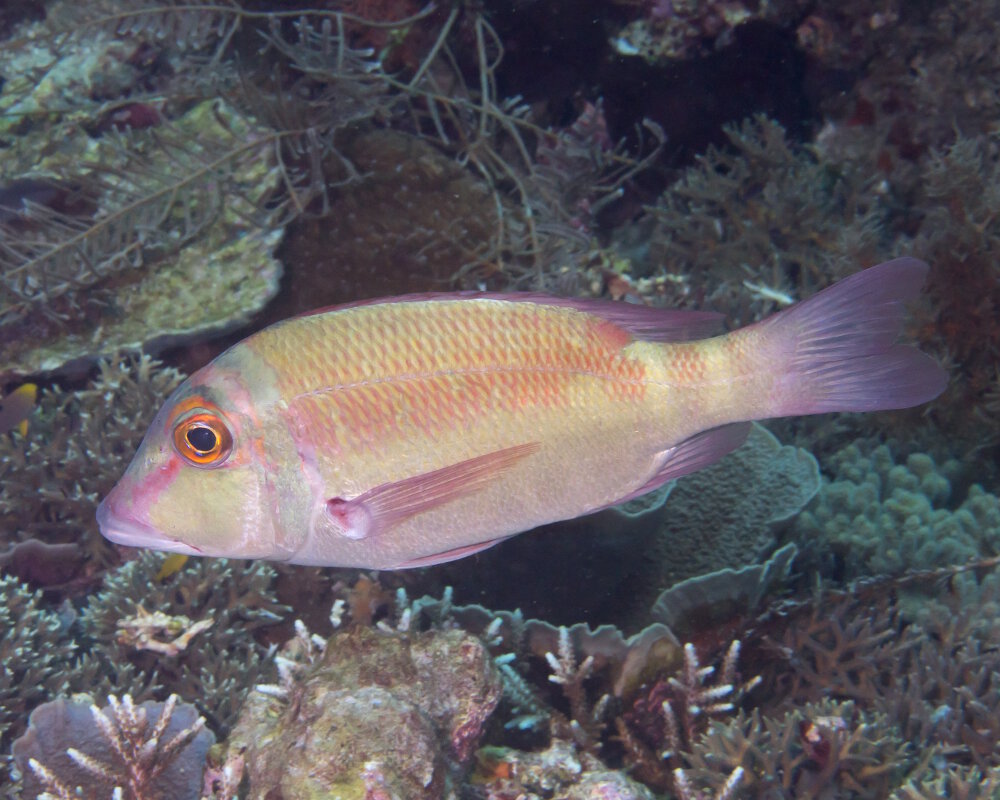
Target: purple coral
x: 153, y: 751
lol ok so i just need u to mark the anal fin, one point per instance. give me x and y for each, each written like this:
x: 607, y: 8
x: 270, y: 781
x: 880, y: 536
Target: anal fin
x: 694, y: 453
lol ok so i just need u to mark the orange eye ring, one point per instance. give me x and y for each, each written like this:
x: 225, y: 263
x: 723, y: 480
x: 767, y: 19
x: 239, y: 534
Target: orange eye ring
x: 203, y: 440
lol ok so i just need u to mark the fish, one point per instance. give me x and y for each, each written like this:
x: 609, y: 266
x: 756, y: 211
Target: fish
x: 171, y: 565
x: 16, y: 407
x: 416, y: 430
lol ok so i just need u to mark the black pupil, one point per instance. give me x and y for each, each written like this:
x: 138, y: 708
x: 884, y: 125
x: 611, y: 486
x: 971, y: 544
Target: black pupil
x: 202, y: 439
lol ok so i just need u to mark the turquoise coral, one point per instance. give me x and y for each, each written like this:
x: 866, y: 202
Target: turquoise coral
x: 881, y: 517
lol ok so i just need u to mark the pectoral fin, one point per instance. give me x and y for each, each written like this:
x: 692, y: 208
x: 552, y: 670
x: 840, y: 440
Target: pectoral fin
x: 380, y: 508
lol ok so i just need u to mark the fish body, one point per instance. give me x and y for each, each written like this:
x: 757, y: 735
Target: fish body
x: 416, y: 430
x: 16, y: 407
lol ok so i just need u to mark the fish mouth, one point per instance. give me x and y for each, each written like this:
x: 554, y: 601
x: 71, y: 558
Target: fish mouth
x: 131, y: 532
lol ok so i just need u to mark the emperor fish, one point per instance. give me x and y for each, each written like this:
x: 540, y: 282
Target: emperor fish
x: 415, y: 430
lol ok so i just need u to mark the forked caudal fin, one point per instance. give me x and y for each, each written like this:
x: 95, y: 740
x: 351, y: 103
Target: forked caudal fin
x: 840, y: 350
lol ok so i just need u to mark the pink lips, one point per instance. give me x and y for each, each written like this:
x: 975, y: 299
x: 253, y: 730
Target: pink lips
x: 125, y: 530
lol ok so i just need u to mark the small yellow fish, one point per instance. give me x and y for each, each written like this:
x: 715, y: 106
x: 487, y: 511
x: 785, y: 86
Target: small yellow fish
x: 171, y: 565
x: 16, y: 407
x: 416, y: 430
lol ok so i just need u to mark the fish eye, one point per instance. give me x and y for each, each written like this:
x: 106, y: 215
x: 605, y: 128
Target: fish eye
x: 203, y: 440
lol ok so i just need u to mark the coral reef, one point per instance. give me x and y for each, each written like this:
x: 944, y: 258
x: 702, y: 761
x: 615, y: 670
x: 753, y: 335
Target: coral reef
x: 77, y: 446
x: 726, y: 516
x: 368, y: 714
x: 880, y: 517
x: 35, y: 652
x: 152, y: 751
x: 761, y: 224
x: 149, y: 167
x: 137, y: 620
x: 678, y: 29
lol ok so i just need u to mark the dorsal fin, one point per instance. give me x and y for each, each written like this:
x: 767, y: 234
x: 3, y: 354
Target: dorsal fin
x: 640, y: 322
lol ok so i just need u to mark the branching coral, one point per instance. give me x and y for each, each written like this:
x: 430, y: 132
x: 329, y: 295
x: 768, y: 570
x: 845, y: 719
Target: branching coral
x: 824, y: 751
x: 152, y: 751
x: 228, y: 601
x: 35, y: 653
x: 935, y: 679
x: 762, y: 224
x: 880, y: 517
x: 77, y: 446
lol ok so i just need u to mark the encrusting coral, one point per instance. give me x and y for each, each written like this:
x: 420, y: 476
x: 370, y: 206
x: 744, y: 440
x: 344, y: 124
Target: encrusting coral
x: 368, y: 713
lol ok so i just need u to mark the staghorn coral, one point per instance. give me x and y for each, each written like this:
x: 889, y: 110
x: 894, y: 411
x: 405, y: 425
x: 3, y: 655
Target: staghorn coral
x: 77, y: 446
x: 228, y: 601
x: 35, y: 652
x: 880, y: 517
x: 825, y: 751
x: 152, y: 751
x: 955, y: 783
x: 935, y: 678
x: 367, y: 714
x: 669, y: 715
x: 762, y: 224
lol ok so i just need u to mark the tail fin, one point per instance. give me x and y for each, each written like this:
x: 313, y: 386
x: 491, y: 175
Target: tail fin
x: 839, y: 345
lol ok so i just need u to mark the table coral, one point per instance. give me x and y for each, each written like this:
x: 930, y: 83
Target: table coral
x: 376, y: 714
x: 175, y: 245
x: 880, y: 517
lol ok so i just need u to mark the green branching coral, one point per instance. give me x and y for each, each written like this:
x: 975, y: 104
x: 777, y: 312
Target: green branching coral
x: 191, y: 633
x: 78, y: 445
x: 35, y: 653
x: 880, y: 517
x: 759, y: 224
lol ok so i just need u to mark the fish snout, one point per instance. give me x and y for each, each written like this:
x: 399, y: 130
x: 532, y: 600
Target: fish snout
x: 120, y: 527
